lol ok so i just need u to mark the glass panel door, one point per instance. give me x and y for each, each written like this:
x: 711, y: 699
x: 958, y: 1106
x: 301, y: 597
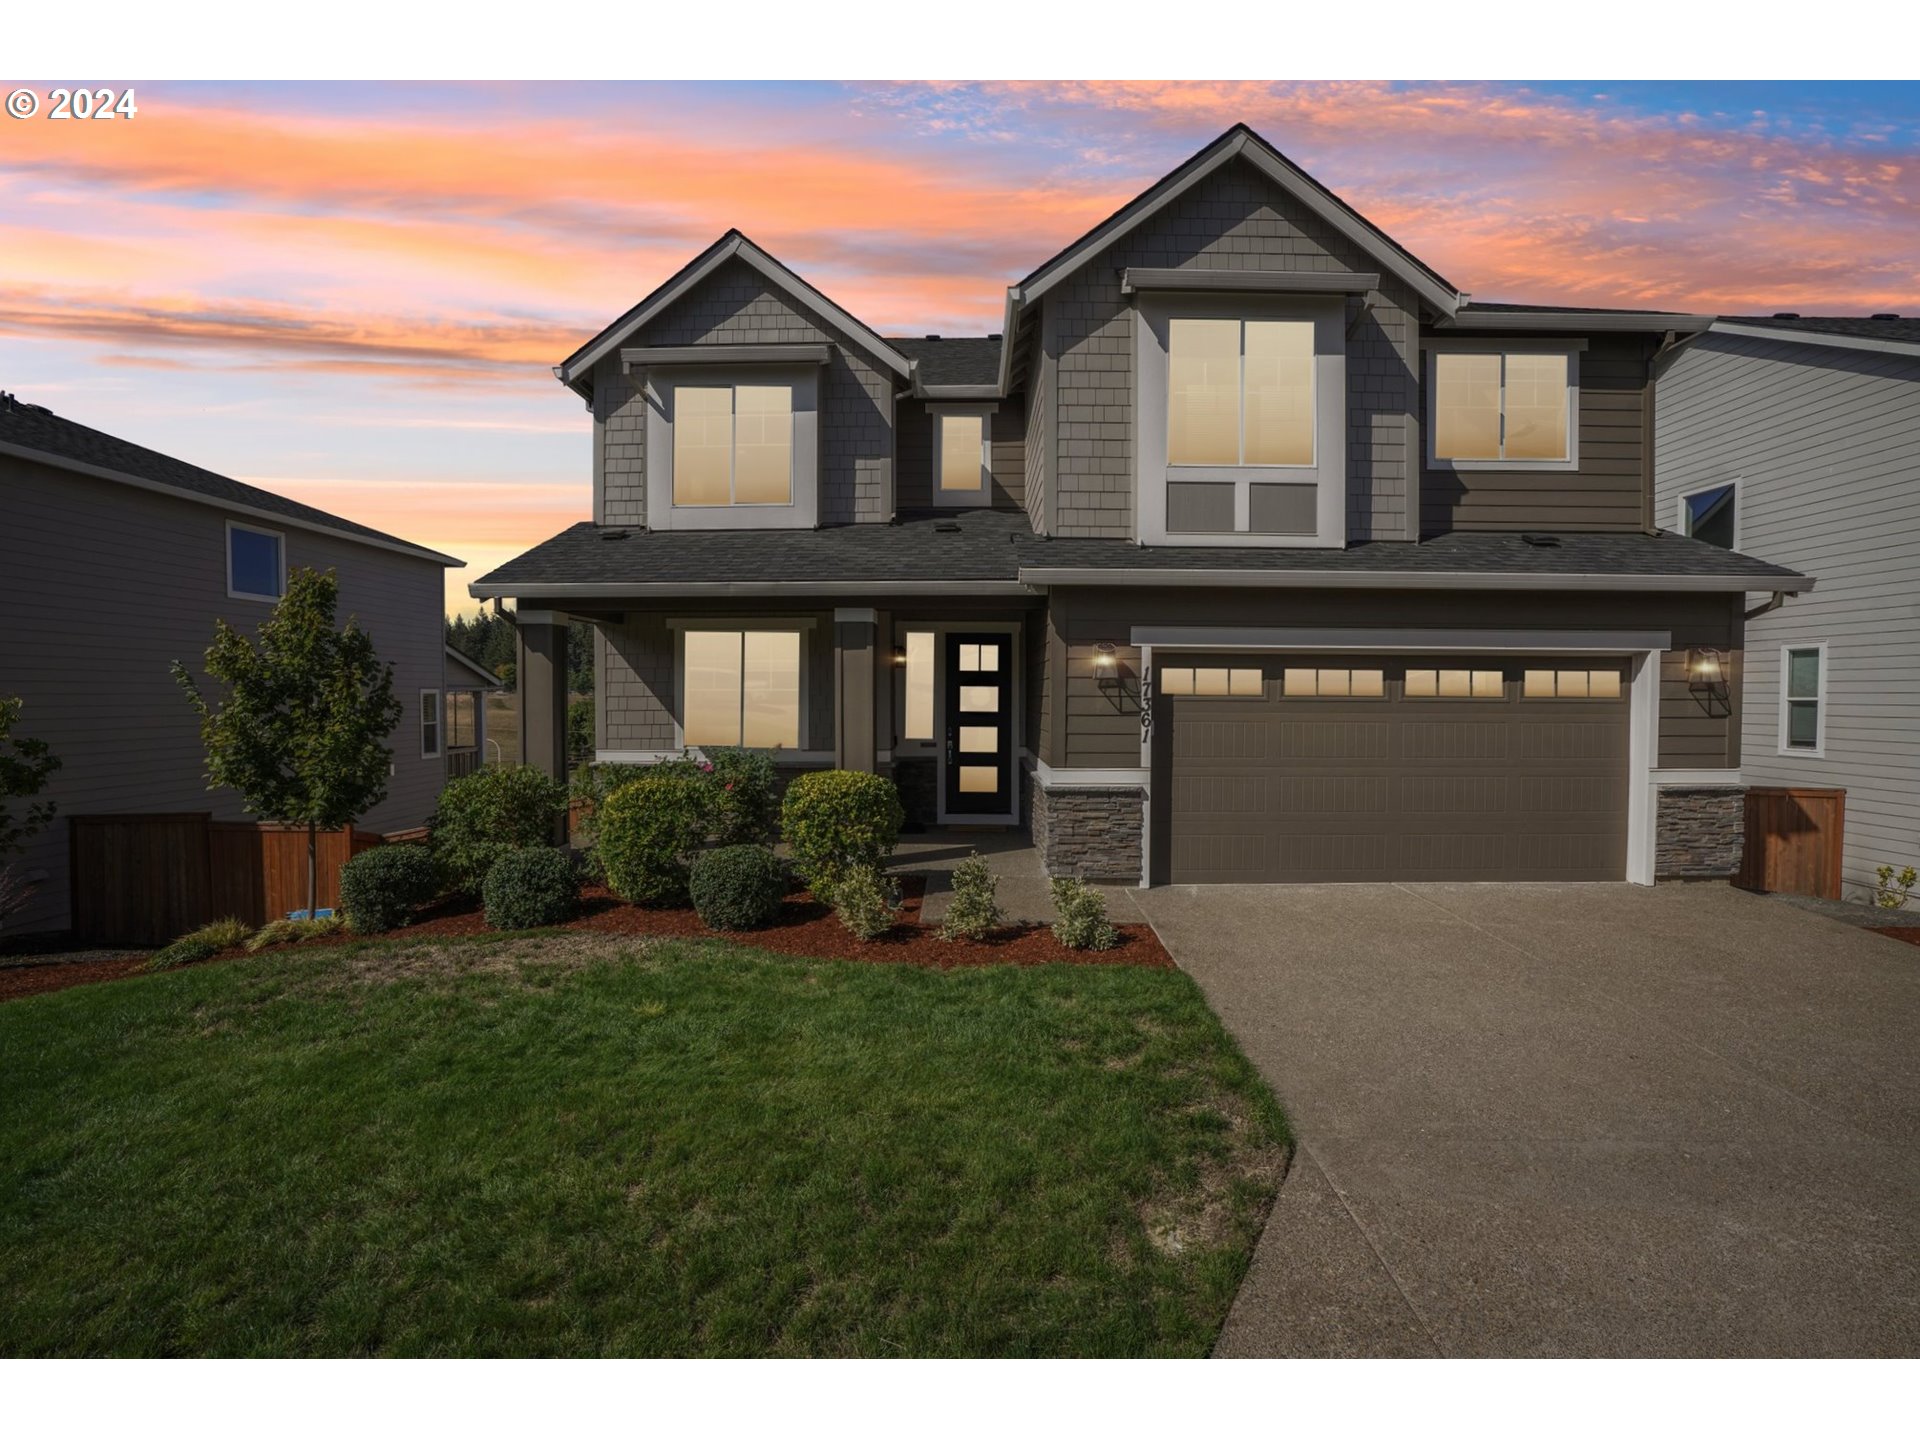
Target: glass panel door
x: 978, y: 736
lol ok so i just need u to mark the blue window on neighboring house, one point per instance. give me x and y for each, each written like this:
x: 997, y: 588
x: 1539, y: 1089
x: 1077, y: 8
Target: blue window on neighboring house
x: 1709, y: 515
x: 256, y: 568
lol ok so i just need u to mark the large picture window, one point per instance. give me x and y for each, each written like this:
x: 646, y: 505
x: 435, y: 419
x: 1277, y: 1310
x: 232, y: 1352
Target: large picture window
x: 1240, y: 392
x: 742, y: 688
x: 1496, y: 407
x: 733, y: 445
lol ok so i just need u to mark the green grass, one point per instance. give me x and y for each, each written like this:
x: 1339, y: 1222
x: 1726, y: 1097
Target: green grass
x: 547, y: 1146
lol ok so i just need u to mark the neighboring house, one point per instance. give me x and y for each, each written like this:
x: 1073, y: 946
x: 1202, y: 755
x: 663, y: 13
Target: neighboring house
x: 1797, y: 439
x: 1251, y: 549
x: 115, y: 561
x: 464, y: 708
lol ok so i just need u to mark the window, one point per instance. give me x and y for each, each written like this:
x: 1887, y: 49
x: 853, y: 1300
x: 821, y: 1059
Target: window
x: 733, y: 445
x: 1803, y: 696
x: 1338, y: 683
x: 429, y: 724
x: 742, y: 687
x: 1454, y: 685
x: 963, y: 461
x: 1712, y: 515
x: 1211, y: 680
x: 256, y: 563
x: 1571, y: 685
x: 1240, y: 392
x: 918, y: 723
x: 460, y: 730
x: 1503, y: 407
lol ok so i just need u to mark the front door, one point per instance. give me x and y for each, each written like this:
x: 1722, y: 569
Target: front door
x: 979, y: 720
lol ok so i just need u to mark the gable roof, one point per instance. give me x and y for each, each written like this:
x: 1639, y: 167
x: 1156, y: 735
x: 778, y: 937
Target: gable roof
x: 458, y: 672
x: 576, y: 371
x: 1894, y: 334
x: 33, y: 432
x: 1242, y: 142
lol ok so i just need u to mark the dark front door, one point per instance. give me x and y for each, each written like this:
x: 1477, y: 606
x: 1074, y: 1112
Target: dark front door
x: 979, y: 718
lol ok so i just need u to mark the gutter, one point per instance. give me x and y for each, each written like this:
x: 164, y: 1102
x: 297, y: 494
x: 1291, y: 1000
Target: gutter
x: 720, y: 589
x: 1409, y: 580
x: 1573, y: 320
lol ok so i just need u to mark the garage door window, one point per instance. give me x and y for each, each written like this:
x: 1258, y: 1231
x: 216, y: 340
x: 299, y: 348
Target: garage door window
x: 1572, y: 685
x: 1336, y: 684
x: 1212, y: 680
x: 1455, y: 685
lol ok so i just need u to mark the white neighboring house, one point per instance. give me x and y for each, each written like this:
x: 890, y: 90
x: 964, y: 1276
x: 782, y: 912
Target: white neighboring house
x: 1796, y: 439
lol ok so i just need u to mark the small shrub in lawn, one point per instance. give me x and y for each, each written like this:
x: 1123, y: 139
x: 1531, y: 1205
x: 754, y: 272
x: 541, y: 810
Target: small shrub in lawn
x: 650, y: 829
x: 529, y: 888
x: 1083, y: 923
x: 867, y: 901
x: 202, y: 944
x: 484, y: 815
x: 974, y: 909
x: 746, y: 809
x: 294, y: 932
x: 379, y: 888
x: 737, y: 887
x: 838, y: 821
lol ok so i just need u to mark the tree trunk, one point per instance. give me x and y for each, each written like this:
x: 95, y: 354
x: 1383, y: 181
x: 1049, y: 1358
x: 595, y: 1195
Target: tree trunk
x: 313, y: 869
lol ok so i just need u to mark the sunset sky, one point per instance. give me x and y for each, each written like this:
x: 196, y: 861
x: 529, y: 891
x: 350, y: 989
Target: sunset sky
x: 353, y: 294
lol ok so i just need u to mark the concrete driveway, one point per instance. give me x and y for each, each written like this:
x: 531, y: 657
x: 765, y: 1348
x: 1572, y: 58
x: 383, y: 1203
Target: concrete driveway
x: 1571, y: 1120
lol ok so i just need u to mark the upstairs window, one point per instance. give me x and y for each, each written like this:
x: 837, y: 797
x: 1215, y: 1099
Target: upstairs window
x: 1240, y: 392
x: 256, y: 563
x: 733, y: 445
x: 1512, y: 408
x: 963, y: 460
x: 1712, y: 515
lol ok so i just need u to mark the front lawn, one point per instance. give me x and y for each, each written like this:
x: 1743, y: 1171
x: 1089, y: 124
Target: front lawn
x: 580, y: 1145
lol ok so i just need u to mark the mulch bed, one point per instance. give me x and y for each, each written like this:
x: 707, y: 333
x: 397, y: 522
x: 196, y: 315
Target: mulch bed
x: 40, y: 977
x: 1908, y: 933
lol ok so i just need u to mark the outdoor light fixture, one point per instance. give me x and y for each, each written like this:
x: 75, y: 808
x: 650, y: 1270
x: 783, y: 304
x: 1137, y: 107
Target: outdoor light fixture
x: 1705, y: 667
x: 1707, y: 680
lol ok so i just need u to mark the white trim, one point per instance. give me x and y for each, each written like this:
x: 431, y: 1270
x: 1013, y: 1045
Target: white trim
x: 799, y: 511
x: 654, y: 757
x: 1090, y: 778
x: 1682, y: 524
x: 1816, y: 337
x: 981, y: 498
x: 788, y: 589
x: 740, y: 625
x: 1430, y: 420
x: 1315, y: 578
x: 1408, y: 641
x: 1818, y: 751
x: 280, y: 544
x: 1643, y: 750
x: 439, y: 727
x: 1663, y: 778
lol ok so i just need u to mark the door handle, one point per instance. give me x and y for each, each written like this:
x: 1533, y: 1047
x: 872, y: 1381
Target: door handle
x: 949, y: 745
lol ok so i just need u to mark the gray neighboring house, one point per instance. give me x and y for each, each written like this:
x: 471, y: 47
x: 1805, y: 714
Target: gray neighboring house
x: 1796, y: 438
x: 115, y: 561
x: 1251, y: 548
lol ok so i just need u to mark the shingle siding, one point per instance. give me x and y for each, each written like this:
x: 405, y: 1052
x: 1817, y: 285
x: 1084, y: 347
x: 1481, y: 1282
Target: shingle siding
x: 1825, y: 444
x: 914, y: 477
x: 736, y: 305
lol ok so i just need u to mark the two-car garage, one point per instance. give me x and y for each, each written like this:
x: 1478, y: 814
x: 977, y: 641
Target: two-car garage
x: 1327, y: 767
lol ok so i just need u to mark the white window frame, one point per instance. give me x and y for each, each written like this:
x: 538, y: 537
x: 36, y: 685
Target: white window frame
x: 279, y: 538
x: 1818, y: 750
x: 963, y: 499
x: 1504, y: 348
x: 739, y: 625
x: 801, y: 509
x: 1328, y: 473
x: 439, y: 726
x: 1683, y: 520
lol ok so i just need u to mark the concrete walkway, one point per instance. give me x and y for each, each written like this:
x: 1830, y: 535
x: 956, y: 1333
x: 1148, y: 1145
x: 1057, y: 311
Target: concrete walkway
x: 1571, y: 1120
x: 1022, y: 892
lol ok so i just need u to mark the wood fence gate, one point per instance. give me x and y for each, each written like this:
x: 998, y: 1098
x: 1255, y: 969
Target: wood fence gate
x: 148, y: 879
x: 1795, y: 840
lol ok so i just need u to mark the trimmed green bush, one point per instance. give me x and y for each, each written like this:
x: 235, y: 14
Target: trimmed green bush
x: 974, y: 910
x: 837, y: 821
x: 867, y: 901
x: 737, y: 887
x: 484, y: 815
x: 650, y: 829
x: 529, y: 888
x: 1083, y: 923
x: 746, y: 801
x: 379, y: 888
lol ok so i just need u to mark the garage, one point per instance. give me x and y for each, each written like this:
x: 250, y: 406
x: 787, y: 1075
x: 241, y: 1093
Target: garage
x: 1317, y: 768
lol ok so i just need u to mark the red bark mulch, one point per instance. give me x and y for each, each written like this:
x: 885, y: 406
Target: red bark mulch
x: 1908, y: 933
x: 39, y: 978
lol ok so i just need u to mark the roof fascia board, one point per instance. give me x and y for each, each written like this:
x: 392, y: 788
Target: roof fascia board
x: 483, y: 590
x: 726, y: 355
x: 961, y: 392
x: 1338, y: 282
x: 1817, y: 337
x: 1576, y: 320
x: 236, y: 507
x: 1407, y: 580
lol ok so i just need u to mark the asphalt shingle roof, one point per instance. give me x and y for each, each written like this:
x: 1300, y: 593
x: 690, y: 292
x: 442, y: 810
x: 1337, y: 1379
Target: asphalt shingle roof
x: 953, y: 360
x: 35, y: 427
x: 1863, y: 327
x: 995, y: 545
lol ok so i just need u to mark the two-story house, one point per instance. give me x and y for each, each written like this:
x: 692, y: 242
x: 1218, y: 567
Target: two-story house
x: 1250, y: 549
x: 1797, y: 438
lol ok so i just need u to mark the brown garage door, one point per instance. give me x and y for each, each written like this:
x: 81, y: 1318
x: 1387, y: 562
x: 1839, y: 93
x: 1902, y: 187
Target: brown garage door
x: 1312, y: 768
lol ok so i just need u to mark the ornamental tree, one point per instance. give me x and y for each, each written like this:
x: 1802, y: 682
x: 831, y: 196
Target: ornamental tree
x: 25, y: 764
x: 301, y: 727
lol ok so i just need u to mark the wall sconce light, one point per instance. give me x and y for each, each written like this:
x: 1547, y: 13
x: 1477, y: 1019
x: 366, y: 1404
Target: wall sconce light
x: 1707, y: 681
x: 897, y: 657
x: 1106, y: 665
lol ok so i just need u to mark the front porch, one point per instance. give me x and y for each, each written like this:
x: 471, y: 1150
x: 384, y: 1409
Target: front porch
x: 1015, y: 860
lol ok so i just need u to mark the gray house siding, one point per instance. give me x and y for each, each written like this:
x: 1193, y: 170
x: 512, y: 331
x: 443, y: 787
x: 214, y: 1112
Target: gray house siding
x: 1608, y: 489
x: 105, y: 585
x: 736, y: 305
x: 1235, y: 219
x: 1825, y: 446
x: 1008, y: 455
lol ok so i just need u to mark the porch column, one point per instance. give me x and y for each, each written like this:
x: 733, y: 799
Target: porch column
x: 540, y: 677
x: 855, y: 642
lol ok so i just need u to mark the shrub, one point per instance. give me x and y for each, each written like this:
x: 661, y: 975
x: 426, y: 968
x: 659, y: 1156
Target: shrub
x: 1893, y: 891
x: 649, y: 831
x: 838, y: 821
x: 484, y: 815
x: 580, y: 728
x: 1083, y: 923
x: 294, y: 932
x: 738, y: 887
x: 379, y: 888
x: 746, y: 807
x: 202, y: 944
x: 974, y: 910
x: 867, y: 901
x: 529, y: 888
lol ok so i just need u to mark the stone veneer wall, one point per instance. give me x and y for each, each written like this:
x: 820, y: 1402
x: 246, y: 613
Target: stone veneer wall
x: 1092, y: 834
x: 1699, y: 832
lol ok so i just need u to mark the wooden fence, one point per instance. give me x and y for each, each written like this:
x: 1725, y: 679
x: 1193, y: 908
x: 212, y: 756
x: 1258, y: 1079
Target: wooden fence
x: 147, y: 879
x: 1795, y: 839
